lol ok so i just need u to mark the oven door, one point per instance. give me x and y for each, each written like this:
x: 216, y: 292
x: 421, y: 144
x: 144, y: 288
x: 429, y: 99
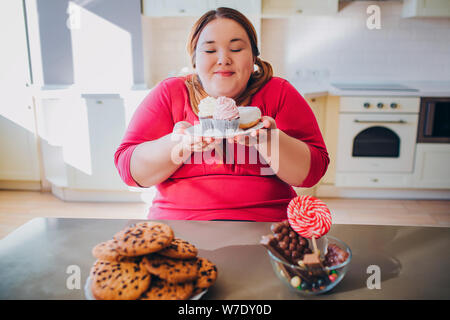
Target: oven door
x: 376, y: 142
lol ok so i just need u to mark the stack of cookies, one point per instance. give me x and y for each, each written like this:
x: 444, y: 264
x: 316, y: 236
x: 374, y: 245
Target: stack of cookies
x: 146, y: 261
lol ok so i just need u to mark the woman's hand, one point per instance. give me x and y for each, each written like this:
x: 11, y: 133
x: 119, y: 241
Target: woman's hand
x: 190, y: 142
x: 257, y: 137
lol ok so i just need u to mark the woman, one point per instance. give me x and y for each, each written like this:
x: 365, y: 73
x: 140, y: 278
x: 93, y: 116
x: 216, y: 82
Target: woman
x: 223, y: 48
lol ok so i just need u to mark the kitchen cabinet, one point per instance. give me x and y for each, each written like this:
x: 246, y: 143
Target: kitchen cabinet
x: 90, y: 142
x: 171, y: 8
x: 80, y: 135
x: 426, y: 8
x: 276, y: 8
x: 330, y: 135
x: 432, y: 169
x: 373, y: 180
x: 19, y: 160
x: 174, y: 8
x: 326, y: 111
x: 79, y: 139
x: 248, y: 7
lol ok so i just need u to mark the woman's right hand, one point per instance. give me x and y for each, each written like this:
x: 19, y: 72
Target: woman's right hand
x: 190, y: 142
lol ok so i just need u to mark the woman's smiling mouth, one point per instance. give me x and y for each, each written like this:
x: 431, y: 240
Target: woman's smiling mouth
x: 224, y: 73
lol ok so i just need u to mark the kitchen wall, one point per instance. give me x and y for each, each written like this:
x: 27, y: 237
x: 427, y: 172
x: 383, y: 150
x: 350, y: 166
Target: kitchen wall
x: 344, y: 48
x: 337, y: 48
x: 164, y: 44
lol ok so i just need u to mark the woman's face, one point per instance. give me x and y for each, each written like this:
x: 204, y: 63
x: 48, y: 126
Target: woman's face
x: 223, y: 58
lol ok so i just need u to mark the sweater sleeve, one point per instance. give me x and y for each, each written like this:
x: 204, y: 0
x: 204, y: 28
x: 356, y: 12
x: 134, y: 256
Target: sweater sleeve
x: 296, y: 119
x: 151, y: 120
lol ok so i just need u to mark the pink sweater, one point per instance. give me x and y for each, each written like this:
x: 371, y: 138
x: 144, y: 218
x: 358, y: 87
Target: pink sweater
x: 235, y: 190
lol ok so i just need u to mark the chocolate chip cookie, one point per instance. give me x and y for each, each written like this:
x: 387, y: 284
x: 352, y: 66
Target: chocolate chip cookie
x: 179, y: 249
x: 143, y: 238
x: 118, y: 280
x: 162, y: 290
x: 107, y: 251
x: 172, y: 270
x: 207, y: 275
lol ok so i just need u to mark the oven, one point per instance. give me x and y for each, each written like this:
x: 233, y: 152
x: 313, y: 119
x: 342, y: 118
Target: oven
x: 376, y: 135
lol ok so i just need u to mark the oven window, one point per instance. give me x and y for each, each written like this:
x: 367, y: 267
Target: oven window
x: 441, y: 123
x: 376, y: 142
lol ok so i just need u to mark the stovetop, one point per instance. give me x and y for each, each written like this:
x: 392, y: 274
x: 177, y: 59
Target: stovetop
x: 373, y: 87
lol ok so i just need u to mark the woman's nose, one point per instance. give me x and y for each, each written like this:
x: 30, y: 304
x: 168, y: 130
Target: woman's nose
x: 223, y: 59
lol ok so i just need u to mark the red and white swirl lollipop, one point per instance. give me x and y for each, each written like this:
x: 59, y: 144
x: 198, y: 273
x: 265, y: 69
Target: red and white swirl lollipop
x: 309, y: 216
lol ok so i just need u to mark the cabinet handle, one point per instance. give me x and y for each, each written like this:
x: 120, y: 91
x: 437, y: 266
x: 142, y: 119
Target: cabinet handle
x: 381, y: 121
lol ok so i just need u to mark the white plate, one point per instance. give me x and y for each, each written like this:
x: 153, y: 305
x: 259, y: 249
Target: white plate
x: 89, y: 296
x: 197, y: 131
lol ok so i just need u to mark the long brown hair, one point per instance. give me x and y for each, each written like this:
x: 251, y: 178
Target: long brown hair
x: 257, y: 79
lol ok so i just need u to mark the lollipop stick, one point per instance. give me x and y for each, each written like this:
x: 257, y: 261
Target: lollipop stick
x: 315, y: 245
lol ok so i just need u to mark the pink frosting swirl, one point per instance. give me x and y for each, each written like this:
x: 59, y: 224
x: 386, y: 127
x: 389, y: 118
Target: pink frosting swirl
x: 226, y: 109
x: 309, y: 216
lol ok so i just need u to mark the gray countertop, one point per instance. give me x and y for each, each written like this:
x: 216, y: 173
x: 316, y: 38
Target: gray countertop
x: 414, y: 261
x: 314, y: 89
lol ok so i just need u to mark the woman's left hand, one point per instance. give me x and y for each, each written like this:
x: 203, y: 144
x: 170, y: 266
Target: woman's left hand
x: 258, y: 136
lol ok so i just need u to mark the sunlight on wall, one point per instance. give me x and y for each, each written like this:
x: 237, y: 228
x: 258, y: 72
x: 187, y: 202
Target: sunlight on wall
x: 102, y: 53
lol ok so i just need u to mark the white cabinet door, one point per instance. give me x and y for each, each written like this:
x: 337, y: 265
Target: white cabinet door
x: 19, y: 156
x: 317, y: 7
x: 173, y: 8
x: 246, y: 7
x: 277, y: 8
x: 95, y: 130
x: 432, y: 168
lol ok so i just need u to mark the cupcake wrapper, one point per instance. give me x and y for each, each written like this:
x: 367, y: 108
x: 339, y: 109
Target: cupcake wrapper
x: 206, y: 124
x: 226, y: 126
x: 220, y: 127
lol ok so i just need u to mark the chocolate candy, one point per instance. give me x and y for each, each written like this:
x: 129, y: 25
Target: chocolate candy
x: 312, y: 260
x: 289, y: 243
x: 271, y: 244
x: 335, y: 255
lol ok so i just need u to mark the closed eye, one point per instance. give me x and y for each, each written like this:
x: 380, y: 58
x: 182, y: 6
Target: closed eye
x: 210, y: 51
x: 237, y: 50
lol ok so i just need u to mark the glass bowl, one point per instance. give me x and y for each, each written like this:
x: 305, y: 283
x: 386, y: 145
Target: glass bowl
x: 317, y: 284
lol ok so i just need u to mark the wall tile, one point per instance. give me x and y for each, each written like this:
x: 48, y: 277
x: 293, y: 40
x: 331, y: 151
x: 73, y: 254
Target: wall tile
x: 402, y: 49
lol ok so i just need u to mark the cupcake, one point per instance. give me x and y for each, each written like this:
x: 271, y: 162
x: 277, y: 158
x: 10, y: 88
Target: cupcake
x: 219, y: 114
x: 226, y: 116
x: 206, y: 110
